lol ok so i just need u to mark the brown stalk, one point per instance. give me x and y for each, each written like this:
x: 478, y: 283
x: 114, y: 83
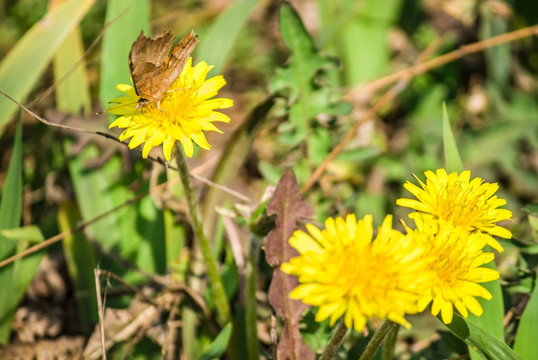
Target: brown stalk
x: 445, y: 59
x: 101, y: 311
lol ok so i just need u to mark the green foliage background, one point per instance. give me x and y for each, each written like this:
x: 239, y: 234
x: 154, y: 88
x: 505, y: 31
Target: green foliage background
x: 291, y: 79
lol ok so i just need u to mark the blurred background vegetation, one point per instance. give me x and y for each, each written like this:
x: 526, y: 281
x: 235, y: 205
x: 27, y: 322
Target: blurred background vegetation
x: 69, y: 177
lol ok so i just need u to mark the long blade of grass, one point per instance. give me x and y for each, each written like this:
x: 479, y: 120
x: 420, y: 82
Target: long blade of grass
x: 491, y: 321
x: 11, y: 203
x: 218, y: 346
x: 15, y: 277
x: 365, y: 46
x: 72, y: 93
x: 452, y: 156
x: 525, y: 341
x: 80, y: 260
x: 23, y: 66
x: 488, y: 346
x: 222, y: 35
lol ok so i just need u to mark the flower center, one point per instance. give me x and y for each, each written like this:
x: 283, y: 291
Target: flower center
x: 451, y: 262
x: 459, y: 204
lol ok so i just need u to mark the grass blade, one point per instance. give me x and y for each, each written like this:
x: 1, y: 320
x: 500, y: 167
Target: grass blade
x: 488, y: 346
x: 15, y: 277
x: 72, y: 94
x: 452, y: 156
x: 528, y: 328
x: 23, y: 66
x: 221, y: 36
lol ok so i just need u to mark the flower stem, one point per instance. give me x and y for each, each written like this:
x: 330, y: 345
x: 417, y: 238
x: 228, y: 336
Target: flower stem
x: 250, y: 298
x: 390, y: 342
x: 334, y: 343
x: 221, y: 303
x: 377, y: 339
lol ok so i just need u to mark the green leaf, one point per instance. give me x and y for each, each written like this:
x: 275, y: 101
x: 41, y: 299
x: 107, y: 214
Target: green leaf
x: 72, y: 93
x: 525, y: 342
x: 488, y: 346
x: 217, y: 42
x: 136, y: 231
x: 219, y: 345
x: 532, y: 209
x: 492, y: 318
x: 11, y: 203
x: 16, y: 276
x: 26, y: 62
x: 362, y: 37
x: 80, y: 260
x: 452, y: 155
x: 29, y: 233
x: 300, y: 80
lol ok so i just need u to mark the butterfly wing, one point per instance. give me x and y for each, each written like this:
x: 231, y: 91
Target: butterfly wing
x: 147, y: 59
x: 176, y: 62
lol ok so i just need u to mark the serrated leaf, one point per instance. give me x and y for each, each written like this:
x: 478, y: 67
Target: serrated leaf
x: 299, y: 80
x: 218, y: 346
x: 288, y: 206
x: 488, y: 346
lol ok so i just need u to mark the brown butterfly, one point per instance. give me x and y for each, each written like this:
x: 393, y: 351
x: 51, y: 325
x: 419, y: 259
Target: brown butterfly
x: 153, y: 68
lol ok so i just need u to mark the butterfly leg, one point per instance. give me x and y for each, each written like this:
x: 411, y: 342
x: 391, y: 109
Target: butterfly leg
x: 159, y: 107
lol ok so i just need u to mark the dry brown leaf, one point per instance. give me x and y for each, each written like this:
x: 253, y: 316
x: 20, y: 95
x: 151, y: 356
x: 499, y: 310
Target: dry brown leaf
x: 288, y: 206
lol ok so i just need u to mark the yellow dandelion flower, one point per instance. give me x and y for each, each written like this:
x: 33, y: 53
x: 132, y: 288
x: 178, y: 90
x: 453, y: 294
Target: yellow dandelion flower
x: 455, y: 198
x: 183, y: 113
x: 343, y: 272
x: 454, y: 256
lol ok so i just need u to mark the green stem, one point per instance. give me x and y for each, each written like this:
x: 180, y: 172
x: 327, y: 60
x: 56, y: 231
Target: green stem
x: 377, y: 339
x: 334, y: 343
x: 390, y: 343
x: 221, y: 303
x: 250, y: 298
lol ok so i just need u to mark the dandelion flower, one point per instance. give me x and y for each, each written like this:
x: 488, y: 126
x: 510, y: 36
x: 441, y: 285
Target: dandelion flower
x: 454, y: 256
x: 455, y: 199
x: 183, y: 113
x: 343, y: 272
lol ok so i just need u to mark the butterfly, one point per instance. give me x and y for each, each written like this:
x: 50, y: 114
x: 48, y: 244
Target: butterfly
x: 153, y: 67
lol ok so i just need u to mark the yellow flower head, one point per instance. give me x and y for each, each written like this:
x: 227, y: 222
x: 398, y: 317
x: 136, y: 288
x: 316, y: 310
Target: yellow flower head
x: 454, y: 256
x: 343, y: 272
x: 453, y: 198
x: 183, y: 113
